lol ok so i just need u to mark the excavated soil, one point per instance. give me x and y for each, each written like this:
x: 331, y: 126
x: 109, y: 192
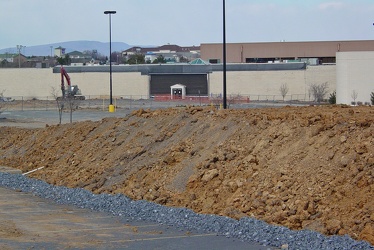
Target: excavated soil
x: 301, y: 167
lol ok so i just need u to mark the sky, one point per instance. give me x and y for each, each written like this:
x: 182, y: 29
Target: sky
x: 183, y: 22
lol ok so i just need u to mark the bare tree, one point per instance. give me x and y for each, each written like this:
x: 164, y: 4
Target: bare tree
x: 2, y: 100
x: 309, y: 93
x: 319, y: 91
x: 60, y: 101
x: 73, y: 105
x: 284, y: 90
x: 354, y: 96
x: 69, y: 101
x: 233, y: 99
x: 216, y: 100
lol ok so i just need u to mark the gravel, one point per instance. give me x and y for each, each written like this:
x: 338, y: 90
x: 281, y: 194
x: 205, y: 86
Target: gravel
x: 246, y: 229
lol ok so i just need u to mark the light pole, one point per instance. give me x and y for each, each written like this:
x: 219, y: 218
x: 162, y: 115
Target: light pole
x: 224, y: 56
x: 110, y: 12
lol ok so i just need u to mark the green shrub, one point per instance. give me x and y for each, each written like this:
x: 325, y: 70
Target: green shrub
x: 332, y: 98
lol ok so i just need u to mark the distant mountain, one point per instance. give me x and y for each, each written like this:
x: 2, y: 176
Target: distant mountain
x: 45, y: 50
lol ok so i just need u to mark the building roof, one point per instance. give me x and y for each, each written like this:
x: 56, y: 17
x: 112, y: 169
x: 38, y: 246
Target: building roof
x: 167, y: 47
x: 239, y: 52
x: 75, y: 53
x: 10, y: 55
x: 5, y: 56
x: 199, y: 61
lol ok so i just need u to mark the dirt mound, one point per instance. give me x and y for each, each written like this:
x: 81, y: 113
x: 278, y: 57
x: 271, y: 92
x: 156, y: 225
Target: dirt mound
x: 301, y: 167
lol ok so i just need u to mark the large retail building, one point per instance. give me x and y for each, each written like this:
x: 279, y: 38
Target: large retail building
x: 353, y: 60
x: 256, y: 71
x: 323, y: 51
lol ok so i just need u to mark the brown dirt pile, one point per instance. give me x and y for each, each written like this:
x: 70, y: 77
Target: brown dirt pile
x: 301, y: 167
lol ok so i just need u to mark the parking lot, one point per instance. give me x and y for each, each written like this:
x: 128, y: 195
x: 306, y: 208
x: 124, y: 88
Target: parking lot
x: 29, y: 222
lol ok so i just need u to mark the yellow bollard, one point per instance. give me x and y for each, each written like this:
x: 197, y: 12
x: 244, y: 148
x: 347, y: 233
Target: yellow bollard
x: 111, y: 108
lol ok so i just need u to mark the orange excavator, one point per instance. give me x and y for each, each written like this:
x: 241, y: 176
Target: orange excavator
x: 72, y: 91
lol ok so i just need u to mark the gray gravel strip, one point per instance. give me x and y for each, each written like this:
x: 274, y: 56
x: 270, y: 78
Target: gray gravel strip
x: 245, y: 229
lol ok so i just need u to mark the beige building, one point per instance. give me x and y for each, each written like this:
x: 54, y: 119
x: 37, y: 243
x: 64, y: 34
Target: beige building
x: 135, y: 83
x: 355, y: 77
x: 352, y: 76
x: 261, y: 81
x: 60, y: 51
x: 320, y: 52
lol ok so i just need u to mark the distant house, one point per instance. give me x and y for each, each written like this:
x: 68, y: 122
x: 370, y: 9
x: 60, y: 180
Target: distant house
x: 171, y: 53
x: 78, y: 58
x: 12, y: 59
x: 76, y: 54
x: 39, y: 62
x: 9, y: 58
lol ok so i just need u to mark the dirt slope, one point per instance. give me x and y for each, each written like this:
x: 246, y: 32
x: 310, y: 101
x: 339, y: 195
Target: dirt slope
x: 302, y: 167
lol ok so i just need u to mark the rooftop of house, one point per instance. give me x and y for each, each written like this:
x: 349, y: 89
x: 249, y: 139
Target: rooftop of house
x: 10, y: 55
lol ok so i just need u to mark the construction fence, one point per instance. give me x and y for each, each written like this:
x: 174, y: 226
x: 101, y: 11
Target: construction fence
x: 21, y: 103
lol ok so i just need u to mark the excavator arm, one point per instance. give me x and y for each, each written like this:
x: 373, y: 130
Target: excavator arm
x: 72, y: 91
x: 64, y: 74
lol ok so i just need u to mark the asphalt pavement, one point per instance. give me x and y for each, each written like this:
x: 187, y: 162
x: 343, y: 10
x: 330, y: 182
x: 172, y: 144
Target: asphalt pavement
x: 30, y: 222
x: 39, y: 118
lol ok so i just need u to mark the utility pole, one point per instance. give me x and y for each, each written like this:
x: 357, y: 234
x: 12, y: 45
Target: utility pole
x: 19, y: 47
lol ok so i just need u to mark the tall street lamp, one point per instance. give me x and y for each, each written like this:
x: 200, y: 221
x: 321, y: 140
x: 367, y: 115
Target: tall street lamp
x: 19, y: 47
x: 224, y: 56
x: 110, y: 12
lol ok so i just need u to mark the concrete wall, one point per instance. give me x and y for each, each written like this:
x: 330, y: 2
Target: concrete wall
x: 269, y: 82
x: 39, y: 82
x: 124, y: 84
x: 355, y: 72
x: 28, y: 82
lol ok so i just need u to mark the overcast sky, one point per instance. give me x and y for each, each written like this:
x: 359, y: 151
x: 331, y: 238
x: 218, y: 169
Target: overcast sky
x: 183, y: 22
